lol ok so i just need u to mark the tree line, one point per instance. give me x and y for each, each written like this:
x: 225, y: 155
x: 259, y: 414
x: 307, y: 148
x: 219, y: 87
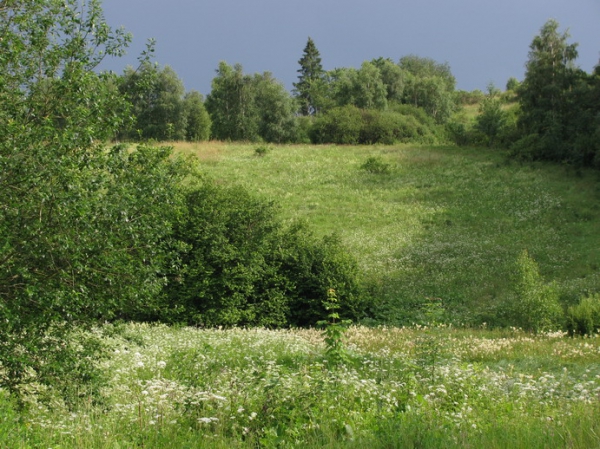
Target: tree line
x: 404, y: 100
x: 556, y: 117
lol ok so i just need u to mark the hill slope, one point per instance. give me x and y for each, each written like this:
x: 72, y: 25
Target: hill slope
x: 445, y: 222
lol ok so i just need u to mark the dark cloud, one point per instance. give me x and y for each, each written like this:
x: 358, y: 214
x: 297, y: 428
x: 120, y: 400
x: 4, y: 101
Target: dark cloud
x: 482, y: 41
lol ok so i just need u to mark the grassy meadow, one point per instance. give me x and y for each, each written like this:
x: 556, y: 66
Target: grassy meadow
x: 441, y: 222
x: 445, y: 222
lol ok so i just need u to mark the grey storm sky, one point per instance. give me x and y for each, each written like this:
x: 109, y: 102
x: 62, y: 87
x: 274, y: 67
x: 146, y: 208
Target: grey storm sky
x: 483, y: 41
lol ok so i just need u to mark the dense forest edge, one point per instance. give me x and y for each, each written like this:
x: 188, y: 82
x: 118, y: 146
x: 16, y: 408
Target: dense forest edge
x: 92, y: 232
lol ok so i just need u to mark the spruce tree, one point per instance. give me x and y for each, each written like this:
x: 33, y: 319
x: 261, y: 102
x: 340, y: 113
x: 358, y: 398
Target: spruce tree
x: 311, y: 82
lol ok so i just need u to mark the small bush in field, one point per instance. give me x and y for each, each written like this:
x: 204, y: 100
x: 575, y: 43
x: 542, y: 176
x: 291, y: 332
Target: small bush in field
x: 584, y: 318
x: 536, y: 305
x: 376, y: 165
x: 261, y: 150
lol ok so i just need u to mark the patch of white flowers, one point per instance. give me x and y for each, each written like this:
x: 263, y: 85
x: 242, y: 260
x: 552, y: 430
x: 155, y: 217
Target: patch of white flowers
x: 250, y: 380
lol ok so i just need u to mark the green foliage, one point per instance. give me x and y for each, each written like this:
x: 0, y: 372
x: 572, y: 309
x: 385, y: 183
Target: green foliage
x: 429, y: 85
x: 84, y: 229
x: 559, y: 108
x: 156, y: 97
x: 584, y: 318
x: 228, y: 238
x: 310, y: 88
x: 459, y: 130
x: 340, y: 125
x: 393, y: 78
x: 363, y: 88
x: 382, y: 127
x: 243, y: 267
x: 512, y: 84
x: 433, y: 312
x: 536, y: 306
x: 491, y: 119
x: 198, y: 121
x: 334, y: 329
x: 277, y: 110
x: 376, y: 165
x: 313, y: 265
x: 402, y: 123
x: 231, y: 105
x: 250, y: 108
x: 350, y: 125
x: 261, y: 150
x: 464, y: 97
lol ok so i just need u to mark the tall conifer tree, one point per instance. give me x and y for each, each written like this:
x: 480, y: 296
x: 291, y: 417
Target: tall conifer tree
x: 311, y: 82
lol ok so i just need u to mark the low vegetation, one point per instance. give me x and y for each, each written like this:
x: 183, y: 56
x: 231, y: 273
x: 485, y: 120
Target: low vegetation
x: 437, y: 222
x: 398, y: 387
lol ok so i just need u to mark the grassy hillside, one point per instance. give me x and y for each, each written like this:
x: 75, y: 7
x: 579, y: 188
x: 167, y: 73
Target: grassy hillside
x: 445, y: 222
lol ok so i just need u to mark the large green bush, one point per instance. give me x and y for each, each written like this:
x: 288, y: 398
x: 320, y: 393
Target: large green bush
x: 84, y: 229
x: 314, y: 265
x: 351, y: 125
x: 242, y: 266
x: 341, y: 125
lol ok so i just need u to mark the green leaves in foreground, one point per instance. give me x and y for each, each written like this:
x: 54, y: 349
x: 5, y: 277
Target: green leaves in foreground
x: 536, y: 307
x: 84, y: 229
x: 334, y: 329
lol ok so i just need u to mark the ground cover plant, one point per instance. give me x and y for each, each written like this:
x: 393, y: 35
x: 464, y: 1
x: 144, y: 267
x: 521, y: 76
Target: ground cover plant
x: 397, y: 387
x: 439, y: 222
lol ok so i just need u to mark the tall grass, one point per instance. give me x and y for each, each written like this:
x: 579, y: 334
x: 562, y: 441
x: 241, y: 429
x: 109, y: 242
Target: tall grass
x: 442, y: 222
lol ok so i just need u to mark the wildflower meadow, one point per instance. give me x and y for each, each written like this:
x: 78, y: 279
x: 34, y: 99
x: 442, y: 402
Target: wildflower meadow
x: 399, y: 387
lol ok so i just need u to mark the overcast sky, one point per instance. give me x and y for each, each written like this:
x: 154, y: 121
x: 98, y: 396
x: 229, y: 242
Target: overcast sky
x: 483, y: 40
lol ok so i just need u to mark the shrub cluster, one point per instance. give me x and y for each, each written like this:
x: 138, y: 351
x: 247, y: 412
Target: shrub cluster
x: 351, y: 125
x: 584, y: 318
x: 242, y: 266
x: 536, y: 305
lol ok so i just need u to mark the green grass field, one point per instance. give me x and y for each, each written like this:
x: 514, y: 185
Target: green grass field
x: 446, y: 222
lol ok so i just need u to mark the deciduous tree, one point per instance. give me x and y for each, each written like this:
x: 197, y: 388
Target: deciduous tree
x: 83, y: 228
x: 249, y: 107
x: 429, y: 85
x: 156, y: 95
x: 231, y: 104
x: 197, y: 119
x: 544, y: 95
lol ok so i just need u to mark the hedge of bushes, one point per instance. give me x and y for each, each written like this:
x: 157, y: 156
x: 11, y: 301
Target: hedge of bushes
x: 351, y: 125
